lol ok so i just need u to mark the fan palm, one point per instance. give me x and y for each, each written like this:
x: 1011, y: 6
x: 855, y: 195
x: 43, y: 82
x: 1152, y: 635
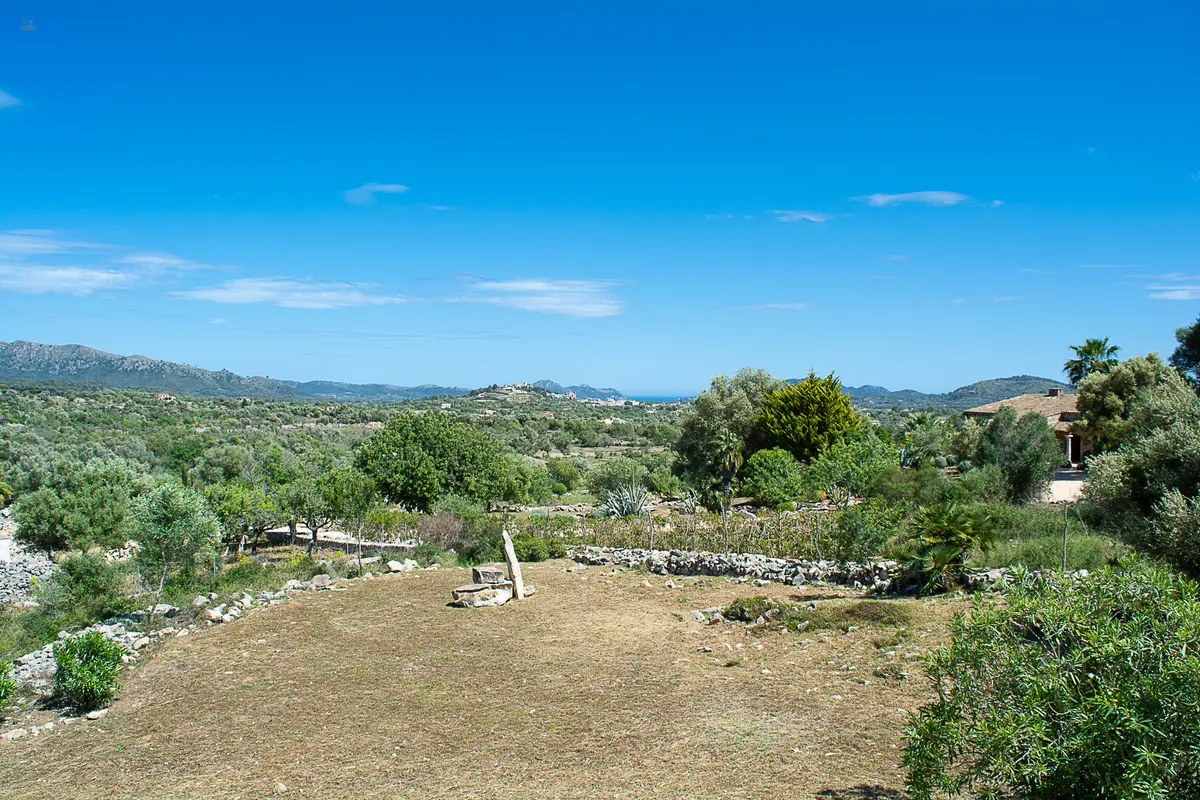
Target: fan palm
x: 1094, y: 355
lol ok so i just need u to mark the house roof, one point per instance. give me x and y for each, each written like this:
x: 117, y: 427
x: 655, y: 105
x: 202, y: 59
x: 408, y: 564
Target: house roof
x: 1060, y: 410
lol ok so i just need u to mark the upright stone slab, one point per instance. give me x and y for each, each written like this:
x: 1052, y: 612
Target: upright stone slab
x: 487, y: 575
x: 514, y: 567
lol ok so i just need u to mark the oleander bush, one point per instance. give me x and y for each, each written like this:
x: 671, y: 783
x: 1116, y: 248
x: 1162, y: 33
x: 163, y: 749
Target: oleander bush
x: 1066, y: 690
x: 87, y: 666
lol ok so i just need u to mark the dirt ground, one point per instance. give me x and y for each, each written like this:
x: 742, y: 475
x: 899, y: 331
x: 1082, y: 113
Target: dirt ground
x: 596, y: 687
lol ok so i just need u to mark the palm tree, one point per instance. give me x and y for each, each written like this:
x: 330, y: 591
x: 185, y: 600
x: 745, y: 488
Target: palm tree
x: 729, y: 461
x: 1094, y: 355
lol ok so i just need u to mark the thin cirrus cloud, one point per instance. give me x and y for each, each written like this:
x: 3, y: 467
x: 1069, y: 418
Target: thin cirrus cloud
x: 7, y: 100
x: 1175, y: 286
x: 780, y: 307
x: 572, y: 298
x: 39, y: 242
x: 793, y: 215
x: 46, y: 279
x: 882, y: 200
x: 292, y: 293
x: 365, y: 195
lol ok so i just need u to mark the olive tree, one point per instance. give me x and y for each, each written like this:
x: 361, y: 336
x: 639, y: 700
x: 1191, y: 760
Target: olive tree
x: 174, y: 529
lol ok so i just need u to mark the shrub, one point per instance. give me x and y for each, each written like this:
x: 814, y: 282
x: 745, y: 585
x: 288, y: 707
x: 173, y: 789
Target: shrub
x: 530, y: 548
x: 86, y: 669
x: 8, y: 685
x: 458, y: 505
x: 612, y: 474
x: 89, y: 588
x: 479, y: 542
x: 772, y: 477
x: 427, y: 553
x: 940, y: 537
x: 861, y: 531
x: 559, y: 488
x: 1066, y: 689
x: 563, y: 471
x: 1025, y: 449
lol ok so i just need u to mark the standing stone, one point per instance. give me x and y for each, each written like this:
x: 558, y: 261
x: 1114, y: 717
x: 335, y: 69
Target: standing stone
x: 514, y: 567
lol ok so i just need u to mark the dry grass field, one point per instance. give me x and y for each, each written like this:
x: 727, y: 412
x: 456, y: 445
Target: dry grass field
x: 596, y: 687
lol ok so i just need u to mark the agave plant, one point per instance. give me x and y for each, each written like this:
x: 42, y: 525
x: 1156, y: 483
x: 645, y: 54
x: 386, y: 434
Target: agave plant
x: 626, y: 501
x: 940, y: 538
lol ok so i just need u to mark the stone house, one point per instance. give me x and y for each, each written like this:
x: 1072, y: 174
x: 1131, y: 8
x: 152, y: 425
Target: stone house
x: 1059, y: 409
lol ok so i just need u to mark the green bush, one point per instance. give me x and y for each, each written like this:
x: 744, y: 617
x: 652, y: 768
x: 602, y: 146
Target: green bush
x: 559, y: 488
x: 89, y: 588
x: 861, y: 531
x: 8, y: 685
x: 86, y: 670
x: 530, y: 548
x: 612, y: 474
x: 772, y: 477
x: 1066, y: 690
x: 941, y: 537
x: 479, y: 542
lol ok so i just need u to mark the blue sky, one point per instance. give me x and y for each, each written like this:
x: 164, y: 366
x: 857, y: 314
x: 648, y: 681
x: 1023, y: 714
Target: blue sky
x: 630, y: 194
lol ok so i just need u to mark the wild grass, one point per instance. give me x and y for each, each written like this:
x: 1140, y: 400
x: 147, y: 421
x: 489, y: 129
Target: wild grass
x: 839, y: 615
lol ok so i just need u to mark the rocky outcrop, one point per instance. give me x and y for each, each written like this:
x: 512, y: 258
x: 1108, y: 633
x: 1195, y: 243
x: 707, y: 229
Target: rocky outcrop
x: 20, y: 576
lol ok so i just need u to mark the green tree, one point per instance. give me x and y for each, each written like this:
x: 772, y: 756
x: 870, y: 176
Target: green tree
x: 1066, y: 690
x: 849, y: 466
x: 1186, y: 358
x: 1106, y: 399
x: 772, y: 477
x: 1094, y: 356
x: 564, y: 471
x: 611, y: 474
x: 353, y: 501
x: 80, y: 506
x: 1025, y: 449
x: 419, y: 457
x: 806, y: 417
x: 726, y: 409
x: 244, y: 511
x: 1148, y: 488
x: 174, y: 528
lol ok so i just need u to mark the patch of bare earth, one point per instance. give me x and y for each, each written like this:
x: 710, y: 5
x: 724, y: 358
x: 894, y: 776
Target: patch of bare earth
x: 597, y: 686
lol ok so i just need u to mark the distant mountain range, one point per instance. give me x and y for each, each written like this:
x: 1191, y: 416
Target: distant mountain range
x: 975, y: 394
x: 73, y: 363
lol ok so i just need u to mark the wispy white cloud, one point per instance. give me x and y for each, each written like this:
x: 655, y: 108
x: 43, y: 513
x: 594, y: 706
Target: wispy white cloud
x: 7, y: 100
x: 161, y: 262
x: 432, y: 207
x: 924, y: 198
x: 1112, y: 266
x: 1007, y: 298
x: 292, y: 293
x: 780, y: 307
x: 996, y: 203
x: 572, y: 298
x: 896, y: 257
x: 365, y: 195
x: 39, y: 242
x: 1174, y: 286
x: 44, y: 279
x: 958, y: 301
x: 793, y: 215
x: 1196, y: 175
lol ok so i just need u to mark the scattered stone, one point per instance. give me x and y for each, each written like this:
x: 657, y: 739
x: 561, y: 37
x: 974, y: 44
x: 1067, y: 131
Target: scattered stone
x: 140, y: 643
x: 698, y: 616
x: 479, y: 595
x: 215, y: 614
x: 19, y: 733
x: 669, y: 584
x: 321, y: 581
x: 95, y: 715
x: 201, y: 602
x: 488, y: 575
x: 406, y: 565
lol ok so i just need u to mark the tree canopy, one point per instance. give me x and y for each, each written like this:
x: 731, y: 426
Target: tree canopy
x: 806, y: 417
x: 417, y: 458
x: 1106, y: 399
x: 1091, y: 357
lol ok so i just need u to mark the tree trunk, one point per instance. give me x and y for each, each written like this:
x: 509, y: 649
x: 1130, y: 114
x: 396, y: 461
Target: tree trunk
x: 725, y: 513
x: 312, y: 542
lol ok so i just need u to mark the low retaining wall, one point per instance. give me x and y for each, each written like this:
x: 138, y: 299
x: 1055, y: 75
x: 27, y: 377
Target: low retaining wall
x: 877, y: 577
x: 874, y: 577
